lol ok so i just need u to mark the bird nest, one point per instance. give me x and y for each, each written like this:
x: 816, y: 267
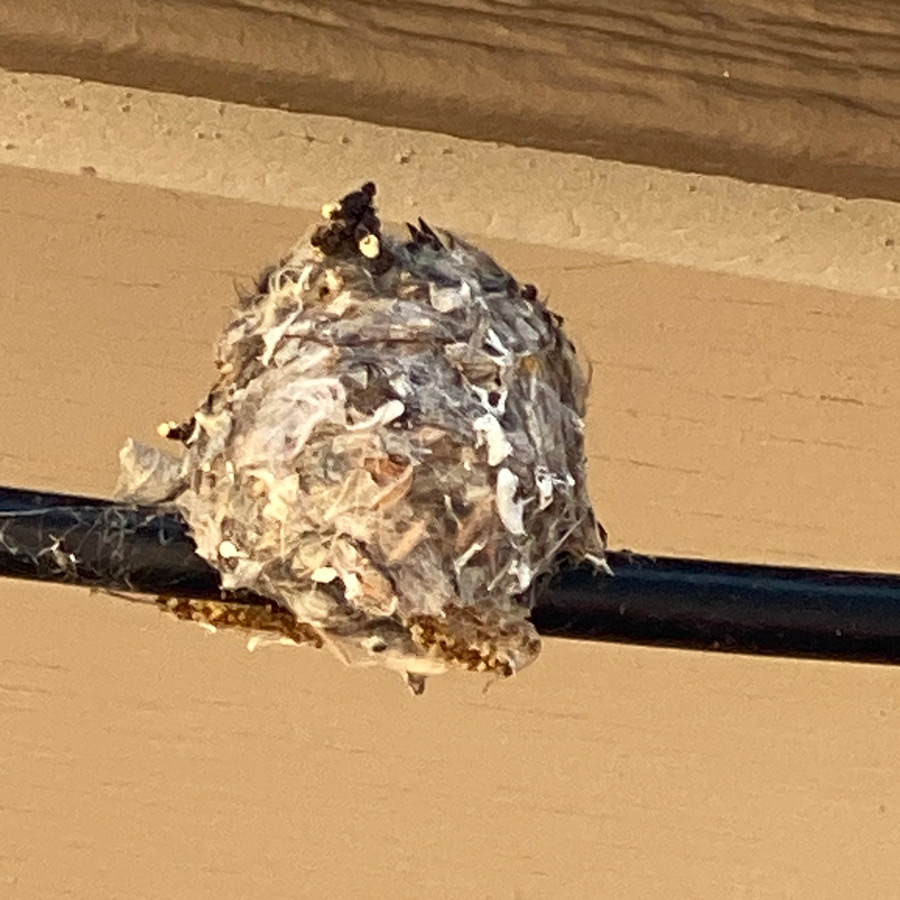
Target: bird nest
x: 392, y: 455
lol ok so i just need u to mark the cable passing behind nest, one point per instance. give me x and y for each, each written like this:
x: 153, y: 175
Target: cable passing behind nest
x: 393, y: 453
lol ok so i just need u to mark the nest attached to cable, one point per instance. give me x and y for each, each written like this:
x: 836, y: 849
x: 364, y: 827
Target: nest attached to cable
x: 393, y: 453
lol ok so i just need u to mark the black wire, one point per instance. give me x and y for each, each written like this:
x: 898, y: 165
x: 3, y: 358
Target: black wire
x: 100, y: 543
x: 738, y: 607
x: 666, y: 601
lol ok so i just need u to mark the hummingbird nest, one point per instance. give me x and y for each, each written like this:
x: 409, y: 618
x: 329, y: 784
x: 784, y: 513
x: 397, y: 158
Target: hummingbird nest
x: 392, y: 456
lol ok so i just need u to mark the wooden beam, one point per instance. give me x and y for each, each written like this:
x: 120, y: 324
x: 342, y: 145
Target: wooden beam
x: 793, y: 93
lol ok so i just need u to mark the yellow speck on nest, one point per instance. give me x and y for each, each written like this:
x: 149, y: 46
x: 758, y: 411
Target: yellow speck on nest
x: 370, y: 246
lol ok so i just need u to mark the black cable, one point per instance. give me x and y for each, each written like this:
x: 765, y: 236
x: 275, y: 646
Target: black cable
x: 738, y: 607
x: 100, y: 543
x: 648, y: 600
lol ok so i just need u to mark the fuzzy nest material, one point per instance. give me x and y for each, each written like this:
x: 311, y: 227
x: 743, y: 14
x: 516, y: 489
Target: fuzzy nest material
x: 392, y: 455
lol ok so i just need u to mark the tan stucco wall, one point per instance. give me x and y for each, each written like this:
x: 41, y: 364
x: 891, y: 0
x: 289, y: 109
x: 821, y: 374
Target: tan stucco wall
x: 742, y: 408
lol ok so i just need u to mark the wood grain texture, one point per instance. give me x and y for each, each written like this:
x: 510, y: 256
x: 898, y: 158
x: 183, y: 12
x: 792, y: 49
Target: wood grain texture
x: 791, y: 92
x: 144, y: 758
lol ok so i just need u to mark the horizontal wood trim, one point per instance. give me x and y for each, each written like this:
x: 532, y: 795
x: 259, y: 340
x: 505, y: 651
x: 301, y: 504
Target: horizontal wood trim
x: 795, y: 93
